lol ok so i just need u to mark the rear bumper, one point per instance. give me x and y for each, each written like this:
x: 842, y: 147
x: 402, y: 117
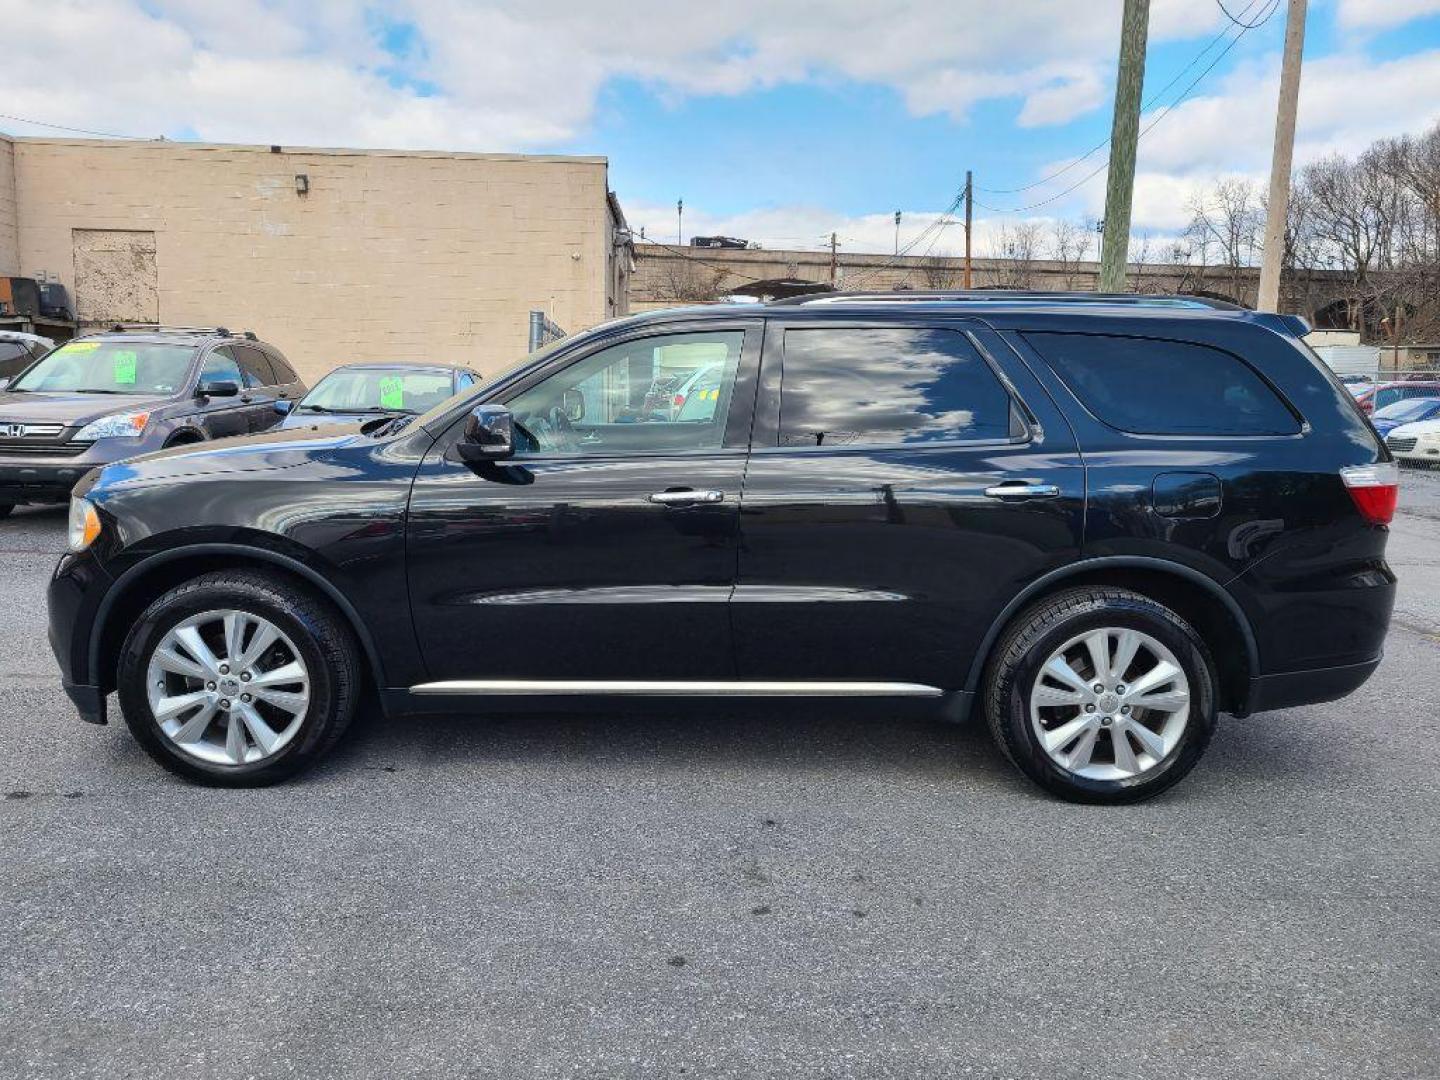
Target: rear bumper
x: 1294, y: 688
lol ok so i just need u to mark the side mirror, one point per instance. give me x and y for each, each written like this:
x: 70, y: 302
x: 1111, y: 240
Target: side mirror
x: 489, y: 434
x: 4, y: 383
x: 283, y: 407
x: 574, y: 405
x: 216, y: 388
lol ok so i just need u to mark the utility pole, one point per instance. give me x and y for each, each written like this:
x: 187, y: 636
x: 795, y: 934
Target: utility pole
x: 834, y: 258
x: 1278, y: 207
x: 1124, y: 134
x: 679, y: 222
x: 897, y: 232
x: 969, y: 200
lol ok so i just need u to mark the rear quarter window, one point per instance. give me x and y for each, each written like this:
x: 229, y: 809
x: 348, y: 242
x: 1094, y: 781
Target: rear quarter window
x: 1153, y: 386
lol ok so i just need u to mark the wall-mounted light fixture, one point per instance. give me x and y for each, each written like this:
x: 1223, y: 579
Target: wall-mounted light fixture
x: 302, y: 184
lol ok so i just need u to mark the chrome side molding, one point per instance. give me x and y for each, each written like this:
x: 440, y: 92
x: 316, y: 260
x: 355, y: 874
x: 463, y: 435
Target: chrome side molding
x: 676, y: 689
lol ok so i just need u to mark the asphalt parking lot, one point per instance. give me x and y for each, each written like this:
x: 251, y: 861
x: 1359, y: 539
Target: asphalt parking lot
x: 772, y: 893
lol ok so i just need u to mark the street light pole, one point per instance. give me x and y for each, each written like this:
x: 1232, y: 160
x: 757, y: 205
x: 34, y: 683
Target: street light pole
x: 1277, y: 208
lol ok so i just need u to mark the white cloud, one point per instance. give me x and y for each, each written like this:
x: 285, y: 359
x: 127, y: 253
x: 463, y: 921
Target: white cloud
x: 521, y: 74
x: 1383, y: 14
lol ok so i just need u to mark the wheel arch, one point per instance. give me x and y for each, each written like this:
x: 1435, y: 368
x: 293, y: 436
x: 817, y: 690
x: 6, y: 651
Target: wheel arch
x: 1199, y: 599
x: 184, y: 436
x: 141, y: 584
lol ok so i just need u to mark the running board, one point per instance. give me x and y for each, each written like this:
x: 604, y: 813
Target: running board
x: 675, y: 689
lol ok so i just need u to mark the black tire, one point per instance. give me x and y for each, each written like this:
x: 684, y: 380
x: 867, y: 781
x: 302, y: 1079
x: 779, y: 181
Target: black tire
x: 319, y: 633
x: 1046, y: 626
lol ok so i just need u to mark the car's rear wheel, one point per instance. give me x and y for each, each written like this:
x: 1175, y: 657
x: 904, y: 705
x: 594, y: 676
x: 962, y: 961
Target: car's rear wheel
x: 1102, y: 695
x: 238, y: 679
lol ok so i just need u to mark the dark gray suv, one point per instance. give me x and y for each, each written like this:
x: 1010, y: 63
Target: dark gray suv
x: 110, y: 396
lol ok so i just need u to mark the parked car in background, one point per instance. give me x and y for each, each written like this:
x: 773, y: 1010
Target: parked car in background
x: 1097, y: 522
x: 1355, y: 382
x: 358, y: 392
x: 1405, y: 411
x: 18, y: 351
x: 110, y: 396
x: 1416, y: 444
x: 1387, y: 393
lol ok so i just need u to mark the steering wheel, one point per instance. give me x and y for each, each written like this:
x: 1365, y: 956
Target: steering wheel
x: 562, y: 429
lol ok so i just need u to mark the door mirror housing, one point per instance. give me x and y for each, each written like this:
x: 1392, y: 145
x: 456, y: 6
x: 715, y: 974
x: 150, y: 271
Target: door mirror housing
x: 4, y: 383
x: 573, y: 404
x: 216, y: 388
x: 489, y: 434
x: 283, y: 407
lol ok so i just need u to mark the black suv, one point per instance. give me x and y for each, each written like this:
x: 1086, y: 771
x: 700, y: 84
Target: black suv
x: 1097, y: 521
x: 105, y: 397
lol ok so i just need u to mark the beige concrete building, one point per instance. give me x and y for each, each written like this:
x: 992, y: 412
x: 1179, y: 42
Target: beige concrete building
x: 333, y: 255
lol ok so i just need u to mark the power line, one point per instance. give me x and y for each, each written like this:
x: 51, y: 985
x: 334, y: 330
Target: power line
x: 1154, y: 98
x: 1238, y: 22
x: 76, y: 130
x: 1274, y: 4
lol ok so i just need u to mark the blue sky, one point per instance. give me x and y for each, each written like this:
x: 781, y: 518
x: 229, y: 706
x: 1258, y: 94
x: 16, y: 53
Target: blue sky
x: 779, y: 120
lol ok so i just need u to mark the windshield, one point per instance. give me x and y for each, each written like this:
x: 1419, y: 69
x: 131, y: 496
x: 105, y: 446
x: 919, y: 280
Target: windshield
x: 379, y: 390
x: 109, y: 367
x: 1410, y: 409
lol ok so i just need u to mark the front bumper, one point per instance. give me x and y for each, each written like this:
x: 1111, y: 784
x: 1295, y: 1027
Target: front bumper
x: 73, y: 600
x: 41, y: 481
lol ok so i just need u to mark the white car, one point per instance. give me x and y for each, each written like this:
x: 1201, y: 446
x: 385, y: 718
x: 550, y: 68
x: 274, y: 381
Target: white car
x: 1416, y: 444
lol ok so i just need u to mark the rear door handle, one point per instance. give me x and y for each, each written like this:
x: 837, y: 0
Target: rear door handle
x: 687, y: 497
x: 1020, y: 489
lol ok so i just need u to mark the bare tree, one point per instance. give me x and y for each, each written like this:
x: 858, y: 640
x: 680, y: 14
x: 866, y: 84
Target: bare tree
x: 1014, y: 254
x: 1227, y: 221
x: 941, y: 272
x: 1070, y: 244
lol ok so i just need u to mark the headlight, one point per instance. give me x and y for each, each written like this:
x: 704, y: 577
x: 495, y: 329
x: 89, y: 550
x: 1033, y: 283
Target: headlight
x: 1430, y: 436
x: 129, y: 425
x: 84, y: 524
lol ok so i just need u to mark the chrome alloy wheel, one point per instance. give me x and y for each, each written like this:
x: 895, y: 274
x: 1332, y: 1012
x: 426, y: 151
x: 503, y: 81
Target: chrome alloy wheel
x: 228, y: 687
x: 1110, y: 704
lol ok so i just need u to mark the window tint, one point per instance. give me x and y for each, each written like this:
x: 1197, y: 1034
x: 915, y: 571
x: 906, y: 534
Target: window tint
x: 284, y: 373
x: 903, y: 385
x: 220, y: 366
x: 1154, y: 387
x: 632, y: 397
x: 255, y: 365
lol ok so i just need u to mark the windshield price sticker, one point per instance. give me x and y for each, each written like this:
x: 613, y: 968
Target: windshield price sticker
x: 81, y: 346
x: 392, y: 393
x: 125, y: 367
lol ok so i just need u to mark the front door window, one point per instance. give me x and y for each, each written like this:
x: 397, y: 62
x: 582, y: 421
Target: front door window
x: 667, y: 393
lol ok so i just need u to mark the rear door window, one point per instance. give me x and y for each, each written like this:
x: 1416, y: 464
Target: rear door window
x: 255, y: 365
x: 888, y: 386
x: 1151, y: 386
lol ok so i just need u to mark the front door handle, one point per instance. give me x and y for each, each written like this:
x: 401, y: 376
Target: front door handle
x: 687, y: 497
x: 1021, y: 489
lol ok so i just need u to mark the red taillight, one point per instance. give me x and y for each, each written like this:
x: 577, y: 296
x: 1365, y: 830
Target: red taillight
x: 1375, y: 490
x: 679, y: 400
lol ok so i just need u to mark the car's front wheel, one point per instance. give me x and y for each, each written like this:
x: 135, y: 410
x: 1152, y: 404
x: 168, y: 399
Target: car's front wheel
x: 1102, y: 695
x: 238, y: 678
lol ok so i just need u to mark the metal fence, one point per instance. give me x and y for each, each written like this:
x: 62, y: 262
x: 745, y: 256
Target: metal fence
x: 543, y: 330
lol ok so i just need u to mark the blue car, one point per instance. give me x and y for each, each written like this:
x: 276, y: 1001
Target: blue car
x: 354, y: 393
x: 1408, y: 411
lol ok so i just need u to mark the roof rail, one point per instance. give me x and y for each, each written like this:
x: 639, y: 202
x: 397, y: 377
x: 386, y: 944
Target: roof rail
x: 1007, y: 296
x: 157, y: 328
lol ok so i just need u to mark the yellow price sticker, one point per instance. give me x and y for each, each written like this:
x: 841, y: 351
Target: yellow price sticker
x: 80, y: 346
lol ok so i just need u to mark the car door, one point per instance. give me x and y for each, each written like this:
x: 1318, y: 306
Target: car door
x: 261, y: 389
x: 907, y: 480
x: 222, y: 417
x: 605, y: 550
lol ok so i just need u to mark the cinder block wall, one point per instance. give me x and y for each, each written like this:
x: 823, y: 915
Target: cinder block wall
x: 390, y: 254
